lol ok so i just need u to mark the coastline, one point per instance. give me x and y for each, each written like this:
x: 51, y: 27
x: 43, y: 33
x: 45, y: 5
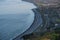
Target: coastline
x: 35, y: 25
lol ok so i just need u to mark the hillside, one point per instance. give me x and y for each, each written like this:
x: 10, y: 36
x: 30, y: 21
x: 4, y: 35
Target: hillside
x: 45, y: 2
x: 50, y: 12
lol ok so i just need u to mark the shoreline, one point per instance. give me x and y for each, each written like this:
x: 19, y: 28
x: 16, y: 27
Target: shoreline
x: 35, y: 25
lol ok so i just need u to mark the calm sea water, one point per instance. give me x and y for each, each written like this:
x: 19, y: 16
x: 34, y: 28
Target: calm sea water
x: 16, y: 17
